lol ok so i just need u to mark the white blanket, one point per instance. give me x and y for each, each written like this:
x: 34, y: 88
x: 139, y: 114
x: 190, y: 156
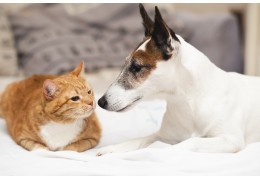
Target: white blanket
x: 118, y: 127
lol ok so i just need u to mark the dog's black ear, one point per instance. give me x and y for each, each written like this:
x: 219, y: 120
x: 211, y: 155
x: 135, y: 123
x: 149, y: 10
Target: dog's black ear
x: 163, y: 35
x: 147, y: 21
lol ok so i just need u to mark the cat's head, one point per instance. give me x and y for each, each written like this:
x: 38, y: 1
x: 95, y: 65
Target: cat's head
x: 69, y: 96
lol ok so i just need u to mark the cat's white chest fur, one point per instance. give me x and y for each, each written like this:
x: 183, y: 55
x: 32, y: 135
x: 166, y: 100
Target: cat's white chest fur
x: 58, y: 135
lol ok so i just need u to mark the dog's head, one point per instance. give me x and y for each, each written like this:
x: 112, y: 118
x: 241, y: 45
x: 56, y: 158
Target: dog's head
x: 146, y: 68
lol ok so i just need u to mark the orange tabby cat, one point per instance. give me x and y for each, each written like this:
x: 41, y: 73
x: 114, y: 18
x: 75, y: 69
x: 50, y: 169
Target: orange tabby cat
x: 52, y: 112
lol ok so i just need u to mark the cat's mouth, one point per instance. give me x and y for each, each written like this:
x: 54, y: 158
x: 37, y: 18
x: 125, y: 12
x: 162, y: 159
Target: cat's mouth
x: 89, y: 111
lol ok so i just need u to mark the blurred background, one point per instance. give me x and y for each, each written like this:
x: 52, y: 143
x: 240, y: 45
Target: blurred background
x: 54, y: 38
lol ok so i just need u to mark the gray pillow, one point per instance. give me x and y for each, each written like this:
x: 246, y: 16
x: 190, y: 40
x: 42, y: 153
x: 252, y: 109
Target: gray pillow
x: 8, y: 60
x: 217, y: 36
x: 49, y: 40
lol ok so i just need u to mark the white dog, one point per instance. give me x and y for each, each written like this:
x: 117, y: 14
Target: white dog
x: 208, y: 109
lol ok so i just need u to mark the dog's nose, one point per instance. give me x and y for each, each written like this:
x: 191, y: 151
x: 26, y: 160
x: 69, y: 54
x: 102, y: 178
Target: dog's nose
x: 102, y: 102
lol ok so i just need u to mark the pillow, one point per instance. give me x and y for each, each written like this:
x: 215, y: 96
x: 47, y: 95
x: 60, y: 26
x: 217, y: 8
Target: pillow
x: 8, y: 59
x: 217, y: 36
x: 51, y: 40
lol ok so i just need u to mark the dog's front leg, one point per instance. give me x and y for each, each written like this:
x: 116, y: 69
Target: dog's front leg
x: 210, y: 145
x: 134, y: 144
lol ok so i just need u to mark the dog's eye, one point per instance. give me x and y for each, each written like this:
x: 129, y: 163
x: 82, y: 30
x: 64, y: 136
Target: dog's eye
x: 89, y: 92
x: 75, y: 98
x: 135, y: 68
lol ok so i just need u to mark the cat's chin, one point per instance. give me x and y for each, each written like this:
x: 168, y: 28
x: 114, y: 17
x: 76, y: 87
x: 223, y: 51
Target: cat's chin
x: 88, y: 113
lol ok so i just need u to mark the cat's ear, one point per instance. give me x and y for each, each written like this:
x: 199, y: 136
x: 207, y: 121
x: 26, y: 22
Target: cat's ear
x: 79, y: 70
x: 49, y: 89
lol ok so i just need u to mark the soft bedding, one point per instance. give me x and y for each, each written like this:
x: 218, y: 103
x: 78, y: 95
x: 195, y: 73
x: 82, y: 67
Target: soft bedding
x: 143, y: 120
x: 118, y: 127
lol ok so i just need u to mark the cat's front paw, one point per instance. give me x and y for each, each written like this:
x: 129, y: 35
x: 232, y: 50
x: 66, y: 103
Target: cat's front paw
x: 40, y: 147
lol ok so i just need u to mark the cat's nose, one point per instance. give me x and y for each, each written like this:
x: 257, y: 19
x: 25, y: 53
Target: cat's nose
x: 102, y: 102
x: 91, y: 103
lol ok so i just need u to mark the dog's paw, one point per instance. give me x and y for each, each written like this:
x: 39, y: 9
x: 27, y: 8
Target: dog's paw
x: 112, y: 149
x: 106, y: 150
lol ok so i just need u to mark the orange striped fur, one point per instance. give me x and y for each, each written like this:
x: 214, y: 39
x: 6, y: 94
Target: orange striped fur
x: 30, y: 104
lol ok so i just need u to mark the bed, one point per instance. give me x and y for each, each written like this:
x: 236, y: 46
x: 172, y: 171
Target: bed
x: 143, y: 120
x: 41, y: 50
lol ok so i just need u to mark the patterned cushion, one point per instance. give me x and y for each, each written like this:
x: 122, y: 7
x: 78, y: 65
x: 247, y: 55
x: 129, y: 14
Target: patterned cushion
x: 51, y: 40
x: 8, y: 60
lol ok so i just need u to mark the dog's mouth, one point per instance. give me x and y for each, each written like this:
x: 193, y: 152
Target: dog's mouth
x: 129, y: 105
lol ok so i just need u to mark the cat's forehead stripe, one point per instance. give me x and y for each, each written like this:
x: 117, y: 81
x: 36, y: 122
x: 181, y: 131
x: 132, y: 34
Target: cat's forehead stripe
x: 76, y: 83
x: 77, y: 91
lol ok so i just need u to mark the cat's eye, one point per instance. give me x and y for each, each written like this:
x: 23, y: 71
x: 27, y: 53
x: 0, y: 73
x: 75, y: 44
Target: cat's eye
x: 75, y: 98
x: 89, y: 92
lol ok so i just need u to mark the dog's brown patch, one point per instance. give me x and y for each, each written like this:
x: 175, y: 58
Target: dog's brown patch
x: 140, y: 64
x: 150, y: 56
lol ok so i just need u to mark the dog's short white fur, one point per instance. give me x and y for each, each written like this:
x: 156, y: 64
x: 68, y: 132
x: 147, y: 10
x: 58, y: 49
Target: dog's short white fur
x: 208, y: 109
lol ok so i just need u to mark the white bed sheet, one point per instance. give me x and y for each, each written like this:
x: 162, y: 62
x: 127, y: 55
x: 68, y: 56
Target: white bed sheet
x: 119, y: 127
